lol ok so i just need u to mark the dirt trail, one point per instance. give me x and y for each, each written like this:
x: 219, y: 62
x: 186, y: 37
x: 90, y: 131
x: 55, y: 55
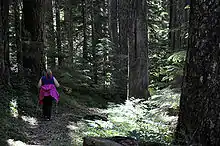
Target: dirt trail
x: 62, y: 130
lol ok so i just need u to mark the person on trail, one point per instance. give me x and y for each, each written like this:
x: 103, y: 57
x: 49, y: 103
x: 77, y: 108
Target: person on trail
x: 48, y: 93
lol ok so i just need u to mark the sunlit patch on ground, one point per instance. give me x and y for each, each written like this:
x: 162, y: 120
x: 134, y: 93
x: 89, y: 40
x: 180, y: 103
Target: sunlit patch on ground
x: 72, y: 126
x: 76, y: 132
x: 13, y: 108
x: 12, y: 142
x: 32, y: 121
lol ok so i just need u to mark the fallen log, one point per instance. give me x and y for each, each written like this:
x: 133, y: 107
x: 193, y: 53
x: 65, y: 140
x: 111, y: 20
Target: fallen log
x: 110, y: 141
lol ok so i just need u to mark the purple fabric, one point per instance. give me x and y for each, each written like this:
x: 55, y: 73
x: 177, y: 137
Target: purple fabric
x: 48, y: 90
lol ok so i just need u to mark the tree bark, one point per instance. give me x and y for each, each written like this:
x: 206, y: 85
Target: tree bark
x: 33, y: 37
x: 4, y: 43
x: 198, y: 122
x: 51, y: 52
x: 113, y: 19
x: 138, y: 51
x: 18, y: 34
x: 172, y: 24
x: 68, y: 28
x: 123, y: 13
x: 114, y: 35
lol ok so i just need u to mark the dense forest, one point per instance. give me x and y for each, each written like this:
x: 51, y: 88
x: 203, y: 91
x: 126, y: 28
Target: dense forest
x: 131, y: 72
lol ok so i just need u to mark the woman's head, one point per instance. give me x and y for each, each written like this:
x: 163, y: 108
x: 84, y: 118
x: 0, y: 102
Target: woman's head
x: 48, y: 73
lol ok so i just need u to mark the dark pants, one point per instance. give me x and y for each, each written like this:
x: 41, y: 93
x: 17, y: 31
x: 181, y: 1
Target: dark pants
x: 47, y: 106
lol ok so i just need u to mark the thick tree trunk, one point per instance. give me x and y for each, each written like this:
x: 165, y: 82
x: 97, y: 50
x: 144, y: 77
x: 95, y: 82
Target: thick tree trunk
x: 33, y: 39
x: 4, y: 43
x: 198, y: 122
x: 138, y: 51
x: 51, y: 52
x: 17, y: 15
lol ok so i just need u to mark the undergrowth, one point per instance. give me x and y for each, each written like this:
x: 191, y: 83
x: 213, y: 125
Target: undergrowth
x: 152, y: 121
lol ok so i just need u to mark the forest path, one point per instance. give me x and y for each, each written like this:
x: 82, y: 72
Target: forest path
x: 64, y: 129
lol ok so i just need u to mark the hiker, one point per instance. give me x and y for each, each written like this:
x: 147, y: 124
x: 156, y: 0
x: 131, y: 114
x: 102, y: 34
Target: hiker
x: 48, y: 93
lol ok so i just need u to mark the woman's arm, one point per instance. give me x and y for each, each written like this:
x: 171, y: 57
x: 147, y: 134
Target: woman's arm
x: 39, y: 83
x: 56, y: 82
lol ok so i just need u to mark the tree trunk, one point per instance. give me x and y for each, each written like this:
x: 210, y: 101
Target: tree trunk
x: 114, y: 35
x: 4, y: 43
x: 68, y: 29
x: 70, y: 32
x: 172, y: 24
x: 123, y: 45
x: 177, y: 25
x: 113, y: 19
x: 58, y: 32
x: 33, y: 39
x: 138, y: 51
x: 96, y: 36
x: 198, y: 122
x: 18, y: 34
x: 84, y: 15
x: 51, y: 52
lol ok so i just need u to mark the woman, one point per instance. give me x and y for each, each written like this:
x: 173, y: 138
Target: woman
x: 48, y: 93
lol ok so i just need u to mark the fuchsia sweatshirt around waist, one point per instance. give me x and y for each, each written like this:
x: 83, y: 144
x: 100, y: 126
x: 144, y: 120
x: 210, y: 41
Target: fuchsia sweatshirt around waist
x: 48, y: 90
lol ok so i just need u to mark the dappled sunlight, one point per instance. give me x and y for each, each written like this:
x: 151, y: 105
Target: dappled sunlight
x: 13, y: 108
x: 76, y: 132
x: 12, y: 142
x: 30, y: 120
x: 72, y: 126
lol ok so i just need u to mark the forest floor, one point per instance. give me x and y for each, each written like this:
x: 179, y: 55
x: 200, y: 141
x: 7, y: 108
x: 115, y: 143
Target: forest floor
x: 65, y: 128
x: 22, y: 123
x: 82, y: 112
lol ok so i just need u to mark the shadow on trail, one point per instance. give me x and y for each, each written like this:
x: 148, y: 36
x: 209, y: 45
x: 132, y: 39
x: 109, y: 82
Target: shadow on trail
x: 26, y: 126
x: 54, y: 132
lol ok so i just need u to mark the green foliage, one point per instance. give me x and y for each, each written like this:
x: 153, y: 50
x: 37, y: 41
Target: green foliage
x: 144, y: 120
x: 165, y: 68
x: 177, y: 57
x: 158, y: 23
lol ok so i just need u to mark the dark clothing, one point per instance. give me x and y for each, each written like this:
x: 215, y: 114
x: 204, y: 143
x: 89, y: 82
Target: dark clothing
x: 47, y: 106
x: 47, y: 80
